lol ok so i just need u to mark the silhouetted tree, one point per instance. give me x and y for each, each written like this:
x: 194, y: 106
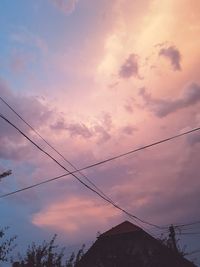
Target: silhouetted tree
x: 75, y: 258
x: 47, y: 255
x: 6, y: 245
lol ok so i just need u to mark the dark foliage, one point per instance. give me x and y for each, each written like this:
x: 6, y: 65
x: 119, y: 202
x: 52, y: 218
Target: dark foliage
x: 4, y: 174
x: 6, y: 245
x: 47, y: 255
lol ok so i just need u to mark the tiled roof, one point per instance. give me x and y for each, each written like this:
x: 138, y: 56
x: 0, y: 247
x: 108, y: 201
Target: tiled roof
x: 125, y: 227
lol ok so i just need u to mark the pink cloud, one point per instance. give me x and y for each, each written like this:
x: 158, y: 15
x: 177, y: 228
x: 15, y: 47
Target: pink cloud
x: 79, y: 218
x: 12, y: 144
x: 129, y: 129
x: 99, y: 130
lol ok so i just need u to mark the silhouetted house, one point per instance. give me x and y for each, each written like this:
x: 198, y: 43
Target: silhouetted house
x: 127, y: 245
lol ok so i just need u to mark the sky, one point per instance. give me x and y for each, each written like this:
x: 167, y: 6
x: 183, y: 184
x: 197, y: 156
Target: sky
x: 97, y: 79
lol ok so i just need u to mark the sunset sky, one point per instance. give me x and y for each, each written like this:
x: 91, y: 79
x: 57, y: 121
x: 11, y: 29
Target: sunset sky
x: 97, y: 79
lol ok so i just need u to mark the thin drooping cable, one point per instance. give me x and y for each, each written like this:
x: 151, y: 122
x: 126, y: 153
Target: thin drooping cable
x: 187, y: 224
x: 83, y: 183
x: 101, y: 162
x: 143, y: 147
x: 193, y: 252
x: 72, y: 165
x: 33, y: 185
x: 139, y: 149
x: 121, y: 155
x: 52, y: 147
x: 192, y: 233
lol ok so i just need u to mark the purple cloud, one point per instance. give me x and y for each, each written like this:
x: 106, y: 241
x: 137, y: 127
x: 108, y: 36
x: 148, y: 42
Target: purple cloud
x: 79, y: 129
x: 194, y: 138
x: 12, y: 144
x: 173, y: 54
x: 129, y: 129
x: 130, y: 67
x: 66, y: 6
x: 162, y: 107
x: 103, y: 135
x: 24, y: 36
x: 99, y: 130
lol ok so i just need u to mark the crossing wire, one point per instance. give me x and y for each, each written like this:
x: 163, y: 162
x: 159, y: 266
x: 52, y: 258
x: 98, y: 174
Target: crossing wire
x: 76, y: 177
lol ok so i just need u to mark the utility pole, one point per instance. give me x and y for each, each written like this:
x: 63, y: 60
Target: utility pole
x: 172, y: 236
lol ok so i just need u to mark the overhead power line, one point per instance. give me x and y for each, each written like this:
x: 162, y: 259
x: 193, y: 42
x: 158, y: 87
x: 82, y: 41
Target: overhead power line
x: 52, y: 147
x: 197, y: 233
x: 126, y: 153
x: 100, y: 162
x: 76, y: 177
x: 193, y: 252
x: 33, y: 185
x: 130, y: 151
x: 187, y: 224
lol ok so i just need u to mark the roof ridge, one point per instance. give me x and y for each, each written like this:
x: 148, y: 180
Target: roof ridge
x: 122, y: 228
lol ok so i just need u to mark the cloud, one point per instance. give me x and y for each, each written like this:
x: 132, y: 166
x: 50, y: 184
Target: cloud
x: 12, y: 144
x: 173, y: 54
x: 25, y: 37
x: 18, y: 64
x: 103, y: 135
x: 78, y: 217
x: 20, y: 61
x: 130, y: 67
x: 129, y: 130
x: 79, y: 129
x: 99, y: 130
x: 174, y: 181
x: 162, y: 107
x: 66, y: 6
x: 193, y: 139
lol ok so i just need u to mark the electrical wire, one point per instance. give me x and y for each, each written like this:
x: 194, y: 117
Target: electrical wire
x: 131, y: 151
x: 33, y: 185
x: 188, y: 233
x: 63, y: 157
x: 187, y: 224
x: 106, y: 160
x: 100, y: 162
x: 83, y: 183
x: 52, y: 147
x: 193, y: 252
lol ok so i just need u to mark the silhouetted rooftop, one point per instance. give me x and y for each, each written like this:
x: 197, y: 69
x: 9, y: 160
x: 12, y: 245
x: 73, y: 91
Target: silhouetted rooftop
x: 128, y: 245
x: 122, y: 228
